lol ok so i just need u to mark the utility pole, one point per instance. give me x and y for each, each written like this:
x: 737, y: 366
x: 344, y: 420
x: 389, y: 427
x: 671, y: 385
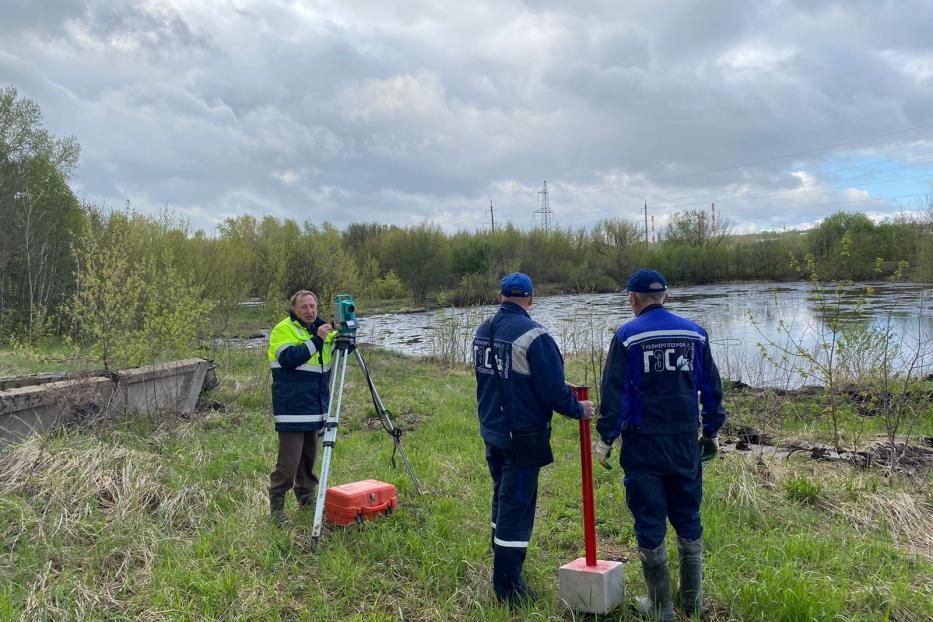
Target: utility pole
x: 646, y: 223
x: 653, y: 238
x: 545, y: 209
x: 492, y: 219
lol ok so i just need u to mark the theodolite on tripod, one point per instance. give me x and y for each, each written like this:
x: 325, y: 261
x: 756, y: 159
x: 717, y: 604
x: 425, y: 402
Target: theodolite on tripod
x: 346, y: 325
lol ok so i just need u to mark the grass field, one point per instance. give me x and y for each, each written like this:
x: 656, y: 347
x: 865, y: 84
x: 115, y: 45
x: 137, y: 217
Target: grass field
x: 163, y: 517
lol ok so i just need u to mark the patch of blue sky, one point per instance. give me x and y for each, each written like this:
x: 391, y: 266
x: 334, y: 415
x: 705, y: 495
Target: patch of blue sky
x: 909, y: 173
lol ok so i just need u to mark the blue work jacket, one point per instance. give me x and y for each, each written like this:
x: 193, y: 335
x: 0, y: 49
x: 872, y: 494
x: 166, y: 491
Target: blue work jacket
x: 657, y: 364
x: 532, y: 373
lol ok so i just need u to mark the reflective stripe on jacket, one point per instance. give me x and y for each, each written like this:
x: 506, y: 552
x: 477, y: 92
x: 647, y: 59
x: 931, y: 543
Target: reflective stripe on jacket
x: 300, y: 363
x: 532, y: 373
x: 657, y: 364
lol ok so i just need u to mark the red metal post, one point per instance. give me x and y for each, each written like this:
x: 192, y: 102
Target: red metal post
x: 586, y: 461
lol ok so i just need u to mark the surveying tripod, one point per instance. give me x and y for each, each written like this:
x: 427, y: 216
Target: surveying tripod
x: 344, y: 344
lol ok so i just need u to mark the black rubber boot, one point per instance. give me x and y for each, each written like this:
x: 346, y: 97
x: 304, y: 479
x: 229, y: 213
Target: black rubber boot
x: 277, y: 508
x: 306, y: 498
x: 659, y: 604
x: 691, y: 575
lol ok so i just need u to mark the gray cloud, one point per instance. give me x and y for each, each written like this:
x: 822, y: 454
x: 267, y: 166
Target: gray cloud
x: 399, y: 112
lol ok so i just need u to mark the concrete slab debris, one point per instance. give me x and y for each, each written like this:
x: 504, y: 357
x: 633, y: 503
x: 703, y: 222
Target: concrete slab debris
x: 39, y: 402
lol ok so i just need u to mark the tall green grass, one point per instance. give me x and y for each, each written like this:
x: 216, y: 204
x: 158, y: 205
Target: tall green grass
x: 159, y: 518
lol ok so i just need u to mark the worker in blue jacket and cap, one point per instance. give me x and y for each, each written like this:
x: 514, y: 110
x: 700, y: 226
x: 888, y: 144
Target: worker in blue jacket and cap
x: 519, y: 382
x: 657, y: 364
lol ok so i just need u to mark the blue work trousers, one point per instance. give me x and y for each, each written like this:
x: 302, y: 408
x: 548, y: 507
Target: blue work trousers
x: 663, y: 481
x: 514, y: 495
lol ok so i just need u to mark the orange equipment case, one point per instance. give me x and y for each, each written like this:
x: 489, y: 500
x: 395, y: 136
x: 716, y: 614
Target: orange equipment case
x: 359, y: 501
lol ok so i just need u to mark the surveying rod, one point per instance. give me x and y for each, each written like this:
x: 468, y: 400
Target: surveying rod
x: 586, y: 461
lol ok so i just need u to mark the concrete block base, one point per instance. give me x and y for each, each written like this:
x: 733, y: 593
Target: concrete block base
x: 592, y: 589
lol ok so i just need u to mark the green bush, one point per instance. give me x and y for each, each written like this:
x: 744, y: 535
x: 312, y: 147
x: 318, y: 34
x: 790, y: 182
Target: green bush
x: 388, y: 287
x: 133, y: 306
x: 474, y: 289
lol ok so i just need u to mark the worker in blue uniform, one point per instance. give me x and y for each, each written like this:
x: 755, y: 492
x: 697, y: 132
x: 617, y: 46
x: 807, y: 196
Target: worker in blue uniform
x: 657, y: 365
x: 519, y: 383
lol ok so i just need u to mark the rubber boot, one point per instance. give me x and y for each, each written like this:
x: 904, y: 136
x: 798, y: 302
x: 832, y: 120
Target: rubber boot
x: 691, y: 575
x: 507, y: 580
x: 659, y: 604
x: 305, y: 498
x: 277, y: 508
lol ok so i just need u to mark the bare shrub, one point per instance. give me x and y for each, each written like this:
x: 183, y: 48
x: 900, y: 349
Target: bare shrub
x: 451, y: 337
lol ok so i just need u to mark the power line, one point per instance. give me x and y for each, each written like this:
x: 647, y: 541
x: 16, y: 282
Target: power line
x: 701, y: 197
x: 687, y: 196
x: 721, y: 198
x: 799, y: 191
x: 744, y: 210
x: 669, y: 198
x: 804, y: 206
x: 841, y: 203
x: 766, y: 160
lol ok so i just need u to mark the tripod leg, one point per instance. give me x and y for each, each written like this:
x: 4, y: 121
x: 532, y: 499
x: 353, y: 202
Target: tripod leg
x: 330, y: 439
x: 386, y: 421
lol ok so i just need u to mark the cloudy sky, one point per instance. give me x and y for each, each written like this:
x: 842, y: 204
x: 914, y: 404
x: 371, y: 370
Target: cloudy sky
x: 398, y: 112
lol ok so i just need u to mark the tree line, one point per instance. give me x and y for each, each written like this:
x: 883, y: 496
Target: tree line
x: 140, y: 281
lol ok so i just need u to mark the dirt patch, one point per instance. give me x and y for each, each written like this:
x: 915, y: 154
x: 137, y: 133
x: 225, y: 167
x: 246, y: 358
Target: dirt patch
x: 912, y: 460
x: 747, y: 435
x: 804, y: 391
x: 612, y: 550
x: 907, y: 457
x: 208, y: 405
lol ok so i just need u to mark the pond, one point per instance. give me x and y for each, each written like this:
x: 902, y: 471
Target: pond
x: 761, y: 333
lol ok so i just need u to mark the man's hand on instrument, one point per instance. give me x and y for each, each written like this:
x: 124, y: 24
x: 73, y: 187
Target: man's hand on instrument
x: 588, y: 410
x: 323, y: 330
x: 709, y: 447
x: 603, y: 451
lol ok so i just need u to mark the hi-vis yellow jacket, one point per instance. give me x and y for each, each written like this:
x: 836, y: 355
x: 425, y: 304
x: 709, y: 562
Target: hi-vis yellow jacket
x: 300, y: 362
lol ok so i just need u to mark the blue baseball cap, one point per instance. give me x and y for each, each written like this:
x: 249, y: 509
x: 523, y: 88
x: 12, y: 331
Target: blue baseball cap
x: 646, y: 281
x: 516, y: 285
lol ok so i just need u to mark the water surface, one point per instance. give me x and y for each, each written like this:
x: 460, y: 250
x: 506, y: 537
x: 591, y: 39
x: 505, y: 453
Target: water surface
x: 781, y: 317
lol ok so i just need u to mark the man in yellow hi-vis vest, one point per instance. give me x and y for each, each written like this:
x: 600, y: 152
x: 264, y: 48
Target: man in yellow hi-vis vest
x: 300, y: 348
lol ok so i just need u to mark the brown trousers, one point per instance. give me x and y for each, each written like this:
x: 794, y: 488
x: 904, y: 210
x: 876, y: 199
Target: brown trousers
x: 295, y: 465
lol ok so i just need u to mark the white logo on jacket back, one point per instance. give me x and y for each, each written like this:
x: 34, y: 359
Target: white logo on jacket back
x: 677, y: 356
x: 482, y: 358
